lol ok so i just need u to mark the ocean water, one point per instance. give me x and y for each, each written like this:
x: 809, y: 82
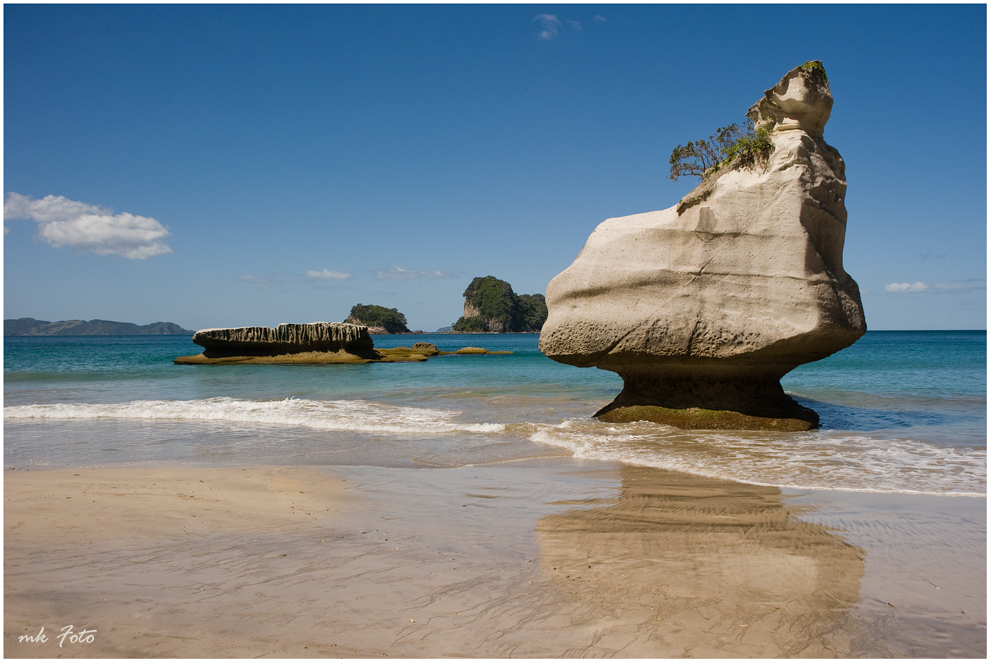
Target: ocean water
x: 900, y: 412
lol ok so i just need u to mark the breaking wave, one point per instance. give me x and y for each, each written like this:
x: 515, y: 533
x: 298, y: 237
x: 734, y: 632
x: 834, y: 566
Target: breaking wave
x: 813, y: 460
x: 338, y: 415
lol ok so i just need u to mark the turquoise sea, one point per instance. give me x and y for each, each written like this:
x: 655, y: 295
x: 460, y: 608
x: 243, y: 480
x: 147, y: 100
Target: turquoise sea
x: 900, y: 411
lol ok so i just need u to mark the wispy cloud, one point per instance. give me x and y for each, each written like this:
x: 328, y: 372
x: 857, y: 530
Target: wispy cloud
x: 574, y: 24
x: 282, y: 279
x: 600, y: 19
x: 327, y: 274
x: 263, y: 283
x: 254, y: 279
x: 965, y: 285
x: 905, y: 287
x: 928, y: 256
x: 88, y: 228
x: 962, y: 285
x: 399, y: 272
x: 550, y: 25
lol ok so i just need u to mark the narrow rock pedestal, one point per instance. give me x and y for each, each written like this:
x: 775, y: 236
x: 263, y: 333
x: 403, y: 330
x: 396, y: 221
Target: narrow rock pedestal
x: 708, y: 398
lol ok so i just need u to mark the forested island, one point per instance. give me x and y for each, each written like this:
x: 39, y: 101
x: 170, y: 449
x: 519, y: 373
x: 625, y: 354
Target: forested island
x: 378, y: 319
x: 490, y: 306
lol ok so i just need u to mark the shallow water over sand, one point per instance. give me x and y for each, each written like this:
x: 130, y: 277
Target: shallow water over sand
x: 540, y: 558
x: 901, y: 412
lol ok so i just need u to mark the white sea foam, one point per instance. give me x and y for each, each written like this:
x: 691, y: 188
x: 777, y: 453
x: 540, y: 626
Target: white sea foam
x: 832, y: 460
x: 813, y: 460
x: 340, y: 415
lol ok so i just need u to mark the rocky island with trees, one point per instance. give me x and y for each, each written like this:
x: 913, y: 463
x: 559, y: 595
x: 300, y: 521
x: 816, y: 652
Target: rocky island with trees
x: 378, y: 319
x: 490, y: 306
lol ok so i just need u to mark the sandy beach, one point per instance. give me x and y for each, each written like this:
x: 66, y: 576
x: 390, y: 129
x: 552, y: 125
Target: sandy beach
x: 537, y: 558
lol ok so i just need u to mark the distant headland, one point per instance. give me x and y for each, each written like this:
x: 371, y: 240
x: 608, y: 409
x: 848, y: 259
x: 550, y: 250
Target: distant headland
x: 28, y: 326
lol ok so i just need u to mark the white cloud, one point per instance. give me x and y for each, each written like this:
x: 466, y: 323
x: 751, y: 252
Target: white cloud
x: 399, y: 272
x: 600, y: 19
x: 550, y: 26
x: 905, y: 287
x: 329, y: 275
x: 88, y: 228
x: 574, y: 24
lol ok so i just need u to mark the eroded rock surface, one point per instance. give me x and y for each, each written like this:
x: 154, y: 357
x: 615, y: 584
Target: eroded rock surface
x: 709, y: 303
x: 285, y: 339
x: 318, y: 343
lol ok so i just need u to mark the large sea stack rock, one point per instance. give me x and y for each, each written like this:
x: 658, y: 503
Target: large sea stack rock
x: 285, y: 339
x: 703, y: 307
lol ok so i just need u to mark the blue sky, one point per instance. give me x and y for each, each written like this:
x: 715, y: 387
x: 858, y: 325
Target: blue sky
x: 250, y: 165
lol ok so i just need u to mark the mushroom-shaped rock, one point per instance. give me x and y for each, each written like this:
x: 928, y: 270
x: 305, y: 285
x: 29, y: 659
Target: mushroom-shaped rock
x: 703, y: 307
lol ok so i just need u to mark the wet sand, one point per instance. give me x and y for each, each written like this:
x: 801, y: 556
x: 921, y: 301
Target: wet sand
x: 540, y: 558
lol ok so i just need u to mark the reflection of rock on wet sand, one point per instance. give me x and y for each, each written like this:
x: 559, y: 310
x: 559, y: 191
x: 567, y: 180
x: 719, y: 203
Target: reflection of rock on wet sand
x: 680, y: 565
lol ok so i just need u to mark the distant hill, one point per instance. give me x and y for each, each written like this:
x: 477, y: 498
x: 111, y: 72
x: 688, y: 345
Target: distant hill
x: 28, y: 326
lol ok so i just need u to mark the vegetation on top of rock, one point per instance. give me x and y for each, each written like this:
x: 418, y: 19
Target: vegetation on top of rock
x: 815, y: 66
x: 28, y: 326
x: 734, y: 145
x: 490, y: 306
x: 703, y: 158
x: 389, y: 319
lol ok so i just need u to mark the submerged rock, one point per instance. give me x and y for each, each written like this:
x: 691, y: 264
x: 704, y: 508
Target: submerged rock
x: 705, y: 306
x: 426, y: 348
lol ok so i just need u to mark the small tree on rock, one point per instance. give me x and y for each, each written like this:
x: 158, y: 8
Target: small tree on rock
x: 704, y: 158
x: 700, y: 156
